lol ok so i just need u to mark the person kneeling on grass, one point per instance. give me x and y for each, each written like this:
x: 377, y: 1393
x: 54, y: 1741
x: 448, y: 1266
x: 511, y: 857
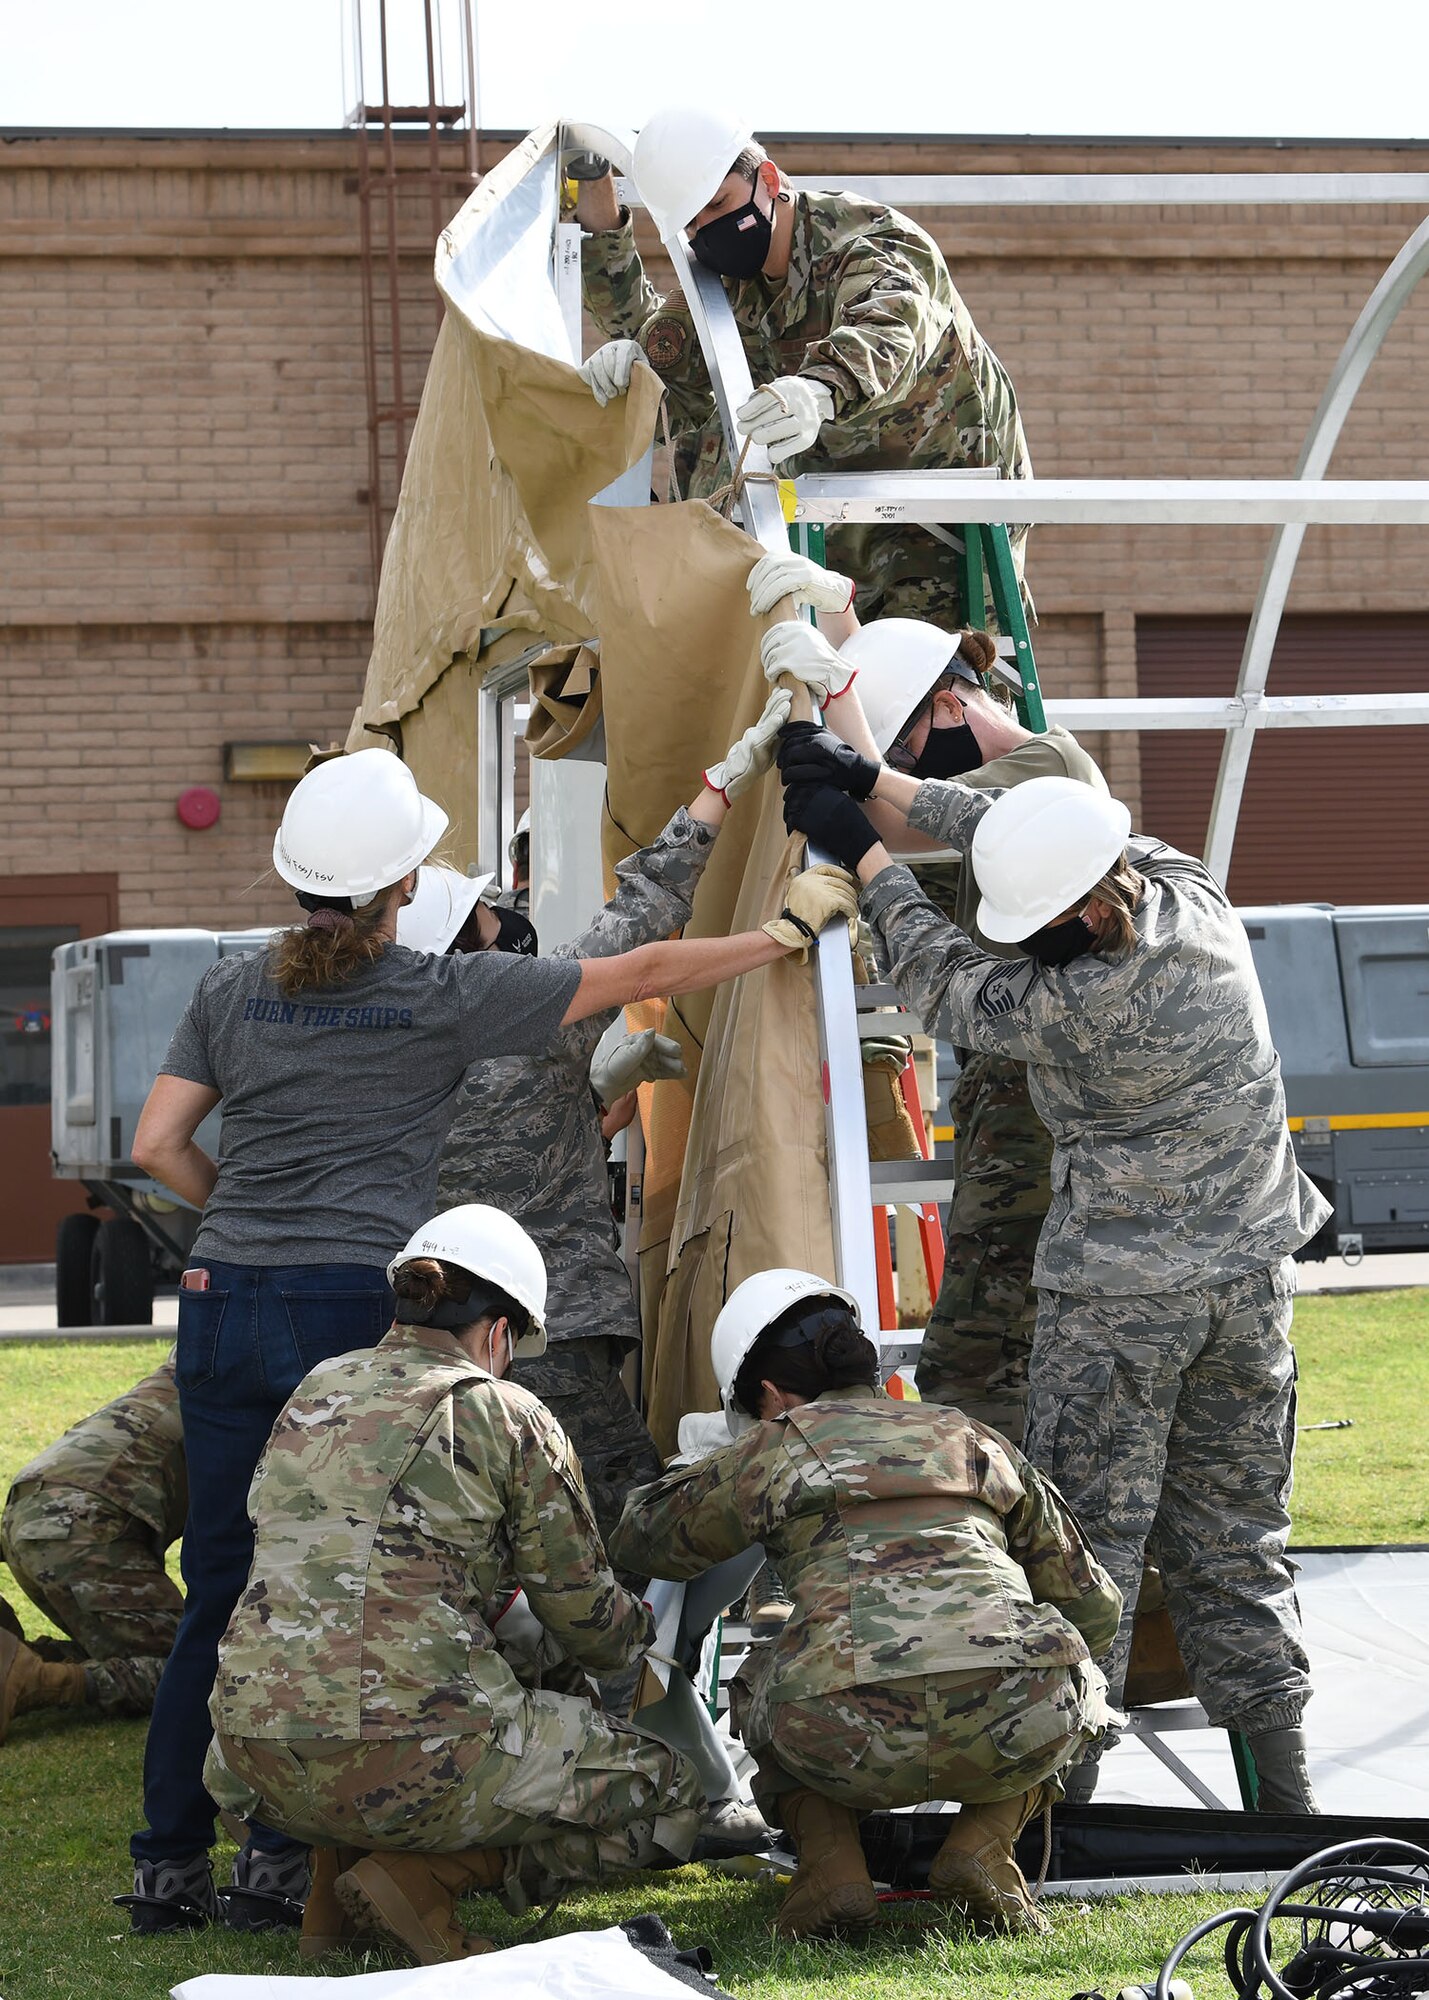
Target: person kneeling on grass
x: 946, y: 1608
x: 365, y: 1699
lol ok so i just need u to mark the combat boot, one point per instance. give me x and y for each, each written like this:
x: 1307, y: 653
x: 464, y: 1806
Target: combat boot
x: 326, y: 1924
x: 831, y: 1890
x: 976, y: 1866
x: 1281, y: 1770
x: 27, y: 1681
x: 412, y: 1897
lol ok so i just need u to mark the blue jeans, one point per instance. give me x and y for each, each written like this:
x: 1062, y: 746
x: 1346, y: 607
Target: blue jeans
x: 243, y: 1347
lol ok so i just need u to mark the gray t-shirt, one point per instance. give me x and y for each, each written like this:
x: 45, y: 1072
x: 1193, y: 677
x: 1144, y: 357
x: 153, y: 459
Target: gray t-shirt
x: 336, y: 1104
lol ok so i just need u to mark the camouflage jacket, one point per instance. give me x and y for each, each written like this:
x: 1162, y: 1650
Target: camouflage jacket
x: 868, y: 309
x: 404, y: 1496
x: 526, y: 1135
x: 911, y: 1540
x: 130, y: 1454
x: 1153, y: 1070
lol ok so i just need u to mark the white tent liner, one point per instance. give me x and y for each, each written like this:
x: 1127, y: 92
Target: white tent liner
x: 1366, y: 1617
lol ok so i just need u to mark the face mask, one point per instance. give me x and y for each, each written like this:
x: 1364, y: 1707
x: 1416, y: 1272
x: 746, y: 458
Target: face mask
x: 514, y: 932
x: 736, y: 245
x: 1059, y: 944
x: 947, y: 753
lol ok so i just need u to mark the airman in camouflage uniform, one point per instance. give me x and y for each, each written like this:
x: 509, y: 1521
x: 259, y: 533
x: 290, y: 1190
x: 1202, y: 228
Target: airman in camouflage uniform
x: 868, y: 310
x: 946, y: 1608
x: 978, y: 1342
x: 84, y: 1531
x: 1162, y: 1374
x: 526, y: 1137
x: 361, y: 1697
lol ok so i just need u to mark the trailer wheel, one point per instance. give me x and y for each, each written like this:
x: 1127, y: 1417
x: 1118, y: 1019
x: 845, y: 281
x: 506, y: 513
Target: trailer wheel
x: 74, y: 1258
x: 123, y: 1275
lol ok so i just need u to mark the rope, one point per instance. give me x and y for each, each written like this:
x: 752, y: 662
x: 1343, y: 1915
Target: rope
x: 671, y: 481
x: 1041, y: 1882
x: 534, y: 1928
x: 723, y: 498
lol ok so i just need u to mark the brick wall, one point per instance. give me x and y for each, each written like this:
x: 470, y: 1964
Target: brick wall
x: 183, y: 456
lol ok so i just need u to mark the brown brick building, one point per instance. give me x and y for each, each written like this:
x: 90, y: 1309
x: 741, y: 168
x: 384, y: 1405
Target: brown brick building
x: 186, y: 521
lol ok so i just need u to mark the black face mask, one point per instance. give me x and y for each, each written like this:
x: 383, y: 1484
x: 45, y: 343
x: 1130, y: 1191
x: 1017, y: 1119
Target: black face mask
x: 1059, y: 944
x: 947, y: 753
x: 736, y: 245
x: 514, y: 932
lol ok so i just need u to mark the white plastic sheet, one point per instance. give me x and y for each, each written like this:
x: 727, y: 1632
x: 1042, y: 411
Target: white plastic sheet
x: 586, y: 1965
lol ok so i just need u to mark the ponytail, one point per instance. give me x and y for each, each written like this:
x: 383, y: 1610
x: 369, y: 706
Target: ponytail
x: 335, y: 944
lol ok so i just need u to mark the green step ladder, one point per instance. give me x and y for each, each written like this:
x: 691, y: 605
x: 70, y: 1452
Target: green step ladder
x: 984, y: 564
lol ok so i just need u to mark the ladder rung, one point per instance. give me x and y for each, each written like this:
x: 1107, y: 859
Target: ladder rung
x: 866, y: 998
x: 910, y: 1180
x: 900, y: 1348
x: 874, y: 1027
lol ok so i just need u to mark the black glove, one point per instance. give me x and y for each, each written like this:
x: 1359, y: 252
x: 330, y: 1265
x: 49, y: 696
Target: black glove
x: 811, y: 755
x: 831, y: 820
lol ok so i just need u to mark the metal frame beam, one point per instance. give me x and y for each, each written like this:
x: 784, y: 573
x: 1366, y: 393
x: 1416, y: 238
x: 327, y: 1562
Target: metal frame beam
x: 1131, y: 190
x: 1365, y: 340
x: 1248, y: 712
x: 959, y: 498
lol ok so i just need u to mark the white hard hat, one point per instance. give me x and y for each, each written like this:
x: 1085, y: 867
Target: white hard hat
x: 354, y: 826
x: 523, y: 825
x: 744, y: 1315
x: 680, y: 158
x: 898, y: 661
x: 444, y: 900
x: 1039, y: 849
x: 490, y: 1244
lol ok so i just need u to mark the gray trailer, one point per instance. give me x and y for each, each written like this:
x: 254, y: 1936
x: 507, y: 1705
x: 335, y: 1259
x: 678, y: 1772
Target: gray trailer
x: 1347, y: 991
x: 116, y: 1001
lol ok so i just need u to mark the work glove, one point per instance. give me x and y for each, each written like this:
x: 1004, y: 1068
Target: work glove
x: 814, y: 899
x: 775, y: 577
x: 607, y: 373
x: 799, y: 650
x: 890, y: 1052
x: 753, y: 754
x: 701, y: 1434
x: 786, y: 414
x: 811, y: 755
x: 831, y: 820
x: 642, y: 1057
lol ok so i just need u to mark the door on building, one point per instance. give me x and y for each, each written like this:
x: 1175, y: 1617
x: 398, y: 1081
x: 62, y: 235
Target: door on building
x: 37, y: 912
x: 1330, y: 815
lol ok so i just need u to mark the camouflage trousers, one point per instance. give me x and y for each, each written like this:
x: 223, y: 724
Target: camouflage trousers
x: 572, y: 1795
x: 1168, y: 1424
x: 969, y: 1737
x: 99, y: 1575
x: 978, y: 1342
x: 579, y: 1382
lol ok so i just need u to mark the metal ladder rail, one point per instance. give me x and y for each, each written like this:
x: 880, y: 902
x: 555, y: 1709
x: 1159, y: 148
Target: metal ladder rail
x: 841, y: 1067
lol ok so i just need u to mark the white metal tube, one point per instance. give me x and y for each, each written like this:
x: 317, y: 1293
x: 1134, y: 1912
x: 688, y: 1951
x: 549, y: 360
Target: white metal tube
x: 1127, y: 190
x: 1226, y: 712
x: 945, y: 496
x: 1364, y: 342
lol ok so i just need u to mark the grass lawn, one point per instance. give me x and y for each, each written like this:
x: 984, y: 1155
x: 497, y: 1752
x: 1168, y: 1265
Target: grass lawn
x: 69, y: 1785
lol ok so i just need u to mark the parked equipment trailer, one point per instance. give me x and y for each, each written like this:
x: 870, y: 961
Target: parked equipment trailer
x: 116, y: 1001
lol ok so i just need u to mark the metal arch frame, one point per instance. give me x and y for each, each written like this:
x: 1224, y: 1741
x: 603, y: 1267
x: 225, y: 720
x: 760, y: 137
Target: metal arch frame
x: 1366, y: 337
x: 950, y: 496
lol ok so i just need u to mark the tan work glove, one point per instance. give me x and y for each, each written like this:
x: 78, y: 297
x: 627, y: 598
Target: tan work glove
x: 812, y: 900
x: 753, y: 754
